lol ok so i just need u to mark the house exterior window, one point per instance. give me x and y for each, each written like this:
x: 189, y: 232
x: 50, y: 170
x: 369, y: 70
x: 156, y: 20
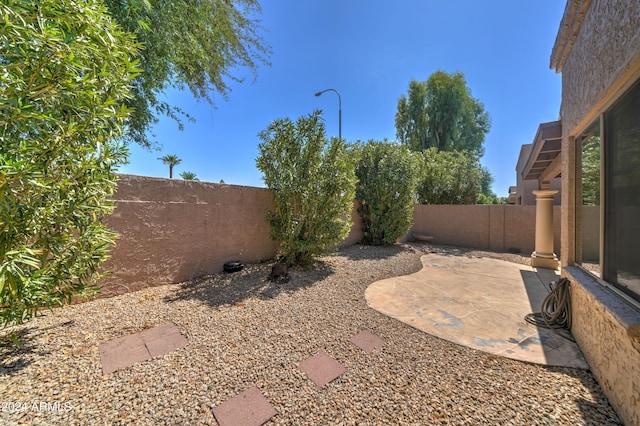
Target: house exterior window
x: 588, y: 232
x: 608, y: 195
x: 622, y: 193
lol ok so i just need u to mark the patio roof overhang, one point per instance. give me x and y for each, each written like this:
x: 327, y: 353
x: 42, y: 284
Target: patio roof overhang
x: 544, y: 162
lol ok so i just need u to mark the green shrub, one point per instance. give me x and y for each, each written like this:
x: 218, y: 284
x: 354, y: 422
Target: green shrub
x: 65, y: 69
x: 449, y: 177
x: 313, y: 186
x: 387, y: 178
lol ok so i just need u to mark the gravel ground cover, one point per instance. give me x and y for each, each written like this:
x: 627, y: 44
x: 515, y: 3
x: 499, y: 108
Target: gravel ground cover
x: 246, y: 331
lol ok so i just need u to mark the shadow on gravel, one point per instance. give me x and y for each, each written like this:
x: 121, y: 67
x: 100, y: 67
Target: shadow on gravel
x: 447, y: 250
x: 367, y: 252
x: 252, y: 282
x: 595, y: 410
x: 442, y: 249
x: 18, y: 348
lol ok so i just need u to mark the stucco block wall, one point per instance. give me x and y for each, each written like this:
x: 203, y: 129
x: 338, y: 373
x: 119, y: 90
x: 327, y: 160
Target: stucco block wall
x: 356, y: 233
x: 601, y: 327
x: 172, y: 230
x: 608, y: 42
x: 603, y: 60
x: 455, y: 225
x: 491, y: 227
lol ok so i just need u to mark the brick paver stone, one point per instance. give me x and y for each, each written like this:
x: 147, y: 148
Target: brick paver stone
x: 163, y: 339
x: 367, y: 341
x: 250, y: 408
x: 321, y: 368
x: 122, y: 352
x: 127, y: 350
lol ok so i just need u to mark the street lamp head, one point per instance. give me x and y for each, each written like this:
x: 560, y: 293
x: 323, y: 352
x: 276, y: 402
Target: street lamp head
x: 339, y: 109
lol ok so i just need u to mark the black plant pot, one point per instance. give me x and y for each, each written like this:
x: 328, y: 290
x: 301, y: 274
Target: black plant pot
x: 233, y: 266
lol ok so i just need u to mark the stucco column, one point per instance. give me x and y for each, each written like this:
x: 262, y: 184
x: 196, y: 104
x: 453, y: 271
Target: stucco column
x: 544, y: 257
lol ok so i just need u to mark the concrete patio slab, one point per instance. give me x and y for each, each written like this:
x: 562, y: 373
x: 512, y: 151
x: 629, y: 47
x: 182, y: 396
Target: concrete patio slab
x: 367, y: 341
x: 250, y: 408
x: 128, y: 350
x: 477, y: 302
x: 321, y: 368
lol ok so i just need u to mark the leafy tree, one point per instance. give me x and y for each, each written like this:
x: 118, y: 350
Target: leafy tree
x: 487, y: 196
x: 313, y: 184
x: 441, y: 113
x: 171, y: 161
x: 387, y: 179
x: 188, y: 176
x: 591, y: 171
x: 197, y: 45
x: 485, y: 182
x: 491, y: 199
x: 449, y: 177
x: 66, y: 69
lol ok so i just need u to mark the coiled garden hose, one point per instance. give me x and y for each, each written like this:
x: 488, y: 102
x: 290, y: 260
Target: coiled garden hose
x: 556, y: 310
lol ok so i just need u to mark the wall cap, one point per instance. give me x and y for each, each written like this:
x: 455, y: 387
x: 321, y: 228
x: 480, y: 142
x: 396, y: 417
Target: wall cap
x: 622, y: 312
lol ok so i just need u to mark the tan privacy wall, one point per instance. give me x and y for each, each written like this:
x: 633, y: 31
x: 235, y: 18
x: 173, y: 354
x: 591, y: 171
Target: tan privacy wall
x: 172, y: 230
x: 491, y: 227
x: 355, y: 234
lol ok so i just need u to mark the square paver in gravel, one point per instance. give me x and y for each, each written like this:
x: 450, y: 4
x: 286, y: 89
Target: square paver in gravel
x: 122, y: 352
x: 127, y: 350
x: 250, y: 408
x: 321, y: 368
x: 367, y: 341
x: 163, y: 339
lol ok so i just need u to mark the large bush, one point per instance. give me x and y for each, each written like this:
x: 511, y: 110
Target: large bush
x: 313, y: 186
x: 387, y: 178
x: 65, y: 69
x: 450, y: 177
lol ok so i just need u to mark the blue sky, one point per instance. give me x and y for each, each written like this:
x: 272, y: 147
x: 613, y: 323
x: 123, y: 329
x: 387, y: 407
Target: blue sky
x: 369, y: 50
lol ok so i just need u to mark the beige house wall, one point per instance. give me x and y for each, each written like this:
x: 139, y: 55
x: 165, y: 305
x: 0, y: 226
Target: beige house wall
x: 525, y: 188
x: 599, y: 60
x: 602, y: 59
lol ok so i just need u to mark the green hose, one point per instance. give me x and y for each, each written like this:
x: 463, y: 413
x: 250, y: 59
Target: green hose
x: 556, y: 310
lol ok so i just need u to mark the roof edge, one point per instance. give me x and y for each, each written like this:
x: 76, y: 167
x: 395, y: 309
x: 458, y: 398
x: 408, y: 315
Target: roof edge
x: 546, y: 131
x: 574, y: 13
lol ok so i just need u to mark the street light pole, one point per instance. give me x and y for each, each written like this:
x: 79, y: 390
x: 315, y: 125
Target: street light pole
x: 339, y: 110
